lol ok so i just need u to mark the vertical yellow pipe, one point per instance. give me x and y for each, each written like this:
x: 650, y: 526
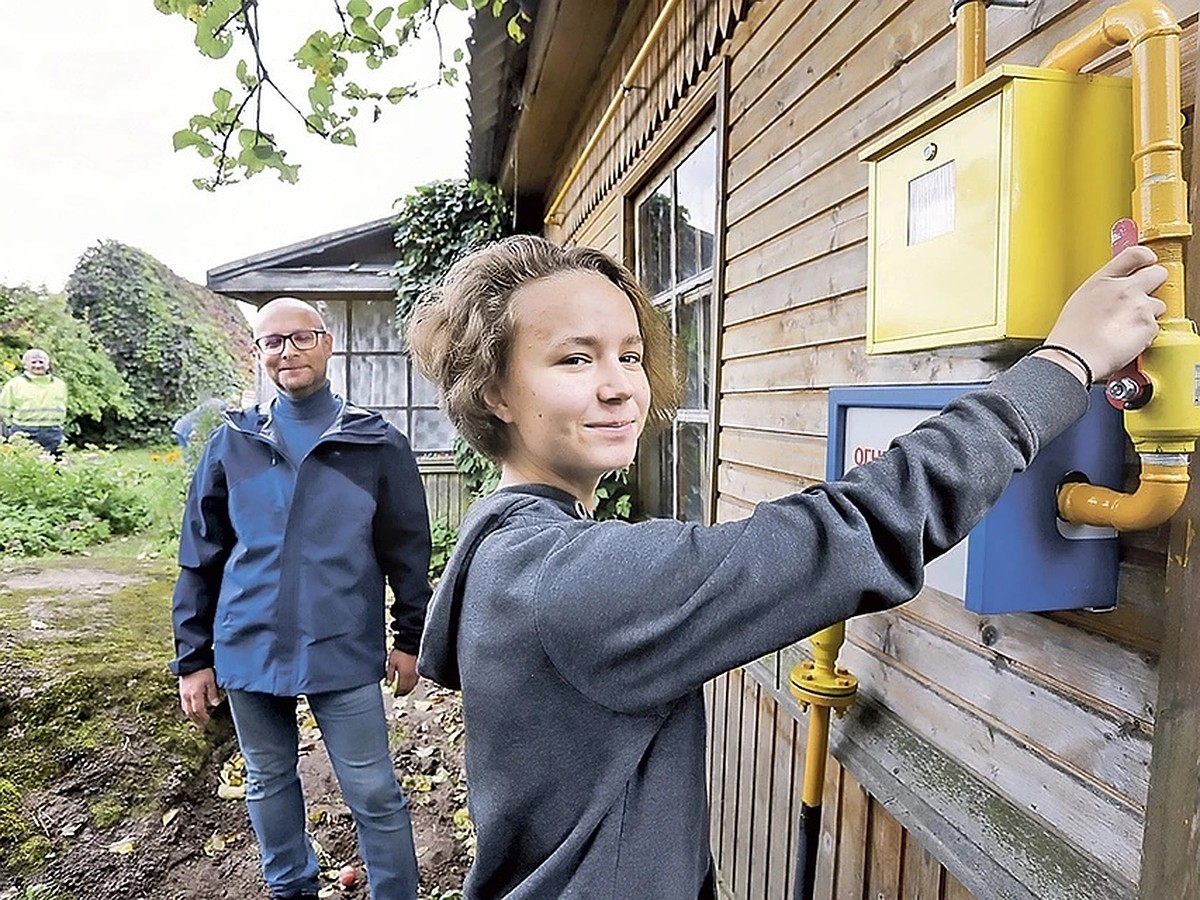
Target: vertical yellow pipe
x: 1166, y: 429
x: 970, y: 31
x: 815, y: 753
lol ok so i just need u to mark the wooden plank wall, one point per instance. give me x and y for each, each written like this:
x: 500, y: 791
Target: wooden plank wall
x: 445, y: 493
x: 864, y: 853
x: 1056, y: 712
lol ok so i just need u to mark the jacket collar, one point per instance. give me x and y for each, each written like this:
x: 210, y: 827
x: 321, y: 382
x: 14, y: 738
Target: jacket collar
x: 353, y: 424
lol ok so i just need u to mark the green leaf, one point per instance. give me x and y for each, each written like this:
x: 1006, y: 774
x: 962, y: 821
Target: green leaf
x: 185, y: 137
x: 383, y: 17
x: 345, y: 136
x: 362, y: 30
x: 461, y: 4
x: 458, y: 54
x: 498, y: 8
x: 515, y: 31
x: 396, y: 94
x: 374, y: 62
x: 221, y: 99
x: 320, y: 97
x: 358, y: 9
x: 409, y: 8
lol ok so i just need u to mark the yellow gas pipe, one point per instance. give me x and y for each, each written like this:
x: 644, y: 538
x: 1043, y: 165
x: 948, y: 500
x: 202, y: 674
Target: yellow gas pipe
x: 819, y: 686
x: 1165, y: 430
x: 970, y: 34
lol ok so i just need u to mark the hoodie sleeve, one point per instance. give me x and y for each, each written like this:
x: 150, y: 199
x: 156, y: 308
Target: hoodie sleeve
x: 635, y: 616
x: 402, y: 543
x: 205, y: 542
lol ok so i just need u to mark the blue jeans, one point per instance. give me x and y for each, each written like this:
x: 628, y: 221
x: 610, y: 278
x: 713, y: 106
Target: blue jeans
x: 354, y: 728
x: 49, y: 437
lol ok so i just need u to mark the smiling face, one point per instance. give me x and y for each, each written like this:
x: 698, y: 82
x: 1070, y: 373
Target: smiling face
x: 575, y: 395
x: 36, y: 362
x: 297, y: 373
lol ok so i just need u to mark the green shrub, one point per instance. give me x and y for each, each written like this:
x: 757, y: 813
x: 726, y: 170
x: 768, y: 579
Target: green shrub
x: 175, y: 342
x: 443, y: 538
x: 614, y: 497
x: 30, y: 318
x: 64, y: 506
x: 436, y: 224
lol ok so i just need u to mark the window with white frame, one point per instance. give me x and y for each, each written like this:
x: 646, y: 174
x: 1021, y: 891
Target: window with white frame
x: 674, y: 234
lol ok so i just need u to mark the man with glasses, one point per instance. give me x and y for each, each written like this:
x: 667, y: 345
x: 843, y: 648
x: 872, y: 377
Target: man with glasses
x: 295, y: 518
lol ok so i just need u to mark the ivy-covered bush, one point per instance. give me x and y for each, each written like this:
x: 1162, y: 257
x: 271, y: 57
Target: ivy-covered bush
x: 49, y: 506
x: 175, y: 342
x: 33, y: 318
x: 438, y: 223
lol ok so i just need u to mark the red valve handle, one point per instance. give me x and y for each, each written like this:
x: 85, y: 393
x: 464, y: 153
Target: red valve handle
x: 1128, y: 387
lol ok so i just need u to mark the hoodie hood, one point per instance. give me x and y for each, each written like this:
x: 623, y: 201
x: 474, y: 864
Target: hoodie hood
x: 438, y: 660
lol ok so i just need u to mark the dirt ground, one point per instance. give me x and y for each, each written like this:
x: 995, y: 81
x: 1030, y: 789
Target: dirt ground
x: 184, y: 839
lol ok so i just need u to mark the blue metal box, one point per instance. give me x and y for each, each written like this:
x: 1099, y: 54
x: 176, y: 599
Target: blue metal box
x: 1021, y: 557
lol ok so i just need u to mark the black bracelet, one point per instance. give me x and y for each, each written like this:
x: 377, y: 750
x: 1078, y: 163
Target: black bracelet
x: 1087, y: 370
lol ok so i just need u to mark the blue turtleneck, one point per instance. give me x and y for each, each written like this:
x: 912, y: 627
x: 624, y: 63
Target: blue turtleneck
x: 298, y: 423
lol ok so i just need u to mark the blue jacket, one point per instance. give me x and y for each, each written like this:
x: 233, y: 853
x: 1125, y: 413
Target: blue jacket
x: 282, y: 567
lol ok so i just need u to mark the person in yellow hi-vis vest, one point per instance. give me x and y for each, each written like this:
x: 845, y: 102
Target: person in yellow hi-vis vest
x: 34, y: 403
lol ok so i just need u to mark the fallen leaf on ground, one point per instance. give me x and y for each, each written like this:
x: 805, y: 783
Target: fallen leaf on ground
x: 169, y: 816
x: 121, y: 847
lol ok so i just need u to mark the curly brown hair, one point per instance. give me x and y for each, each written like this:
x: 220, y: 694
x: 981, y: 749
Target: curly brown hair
x: 461, y: 334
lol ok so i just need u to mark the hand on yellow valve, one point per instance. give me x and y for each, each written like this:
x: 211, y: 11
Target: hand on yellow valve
x: 1111, y: 317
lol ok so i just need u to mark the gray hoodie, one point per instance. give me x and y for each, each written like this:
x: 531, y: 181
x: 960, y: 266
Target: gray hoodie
x: 581, y: 647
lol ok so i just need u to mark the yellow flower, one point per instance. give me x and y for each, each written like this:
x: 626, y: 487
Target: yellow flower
x: 10, y: 365
x: 173, y: 456
x: 154, y: 457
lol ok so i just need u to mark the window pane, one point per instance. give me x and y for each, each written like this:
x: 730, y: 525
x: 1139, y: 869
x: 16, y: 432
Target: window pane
x: 377, y: 381
x: 696, y: 216
x: 693, y: 323
x: 337, y: 374
x: 397, y: 416
x: 654, y: 239
x: 691, y: 476
x: 334, y: 314
x: 423, y: 392
x: 431, y: 430
x: 373, y: 326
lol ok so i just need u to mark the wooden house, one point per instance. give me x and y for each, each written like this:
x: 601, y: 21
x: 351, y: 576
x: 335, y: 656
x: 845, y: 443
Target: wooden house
x: 347, y: 275
x: 715, y: 149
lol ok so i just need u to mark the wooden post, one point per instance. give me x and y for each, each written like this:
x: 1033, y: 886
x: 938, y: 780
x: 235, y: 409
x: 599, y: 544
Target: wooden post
x: 1171, y: 842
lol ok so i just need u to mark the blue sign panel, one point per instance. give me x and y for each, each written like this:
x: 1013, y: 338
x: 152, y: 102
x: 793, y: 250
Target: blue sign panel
x: 1021, y: 557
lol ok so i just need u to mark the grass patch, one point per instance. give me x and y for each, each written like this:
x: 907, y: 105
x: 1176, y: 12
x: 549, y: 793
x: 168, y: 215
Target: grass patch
x: 89, y: 692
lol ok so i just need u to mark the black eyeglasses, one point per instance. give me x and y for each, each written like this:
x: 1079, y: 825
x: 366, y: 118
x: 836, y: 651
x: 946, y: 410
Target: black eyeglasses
x: 272, y: 344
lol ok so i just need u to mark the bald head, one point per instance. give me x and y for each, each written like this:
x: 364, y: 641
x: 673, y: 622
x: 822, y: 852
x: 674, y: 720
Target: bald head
x: 292, y: 309
x: 296, y: 364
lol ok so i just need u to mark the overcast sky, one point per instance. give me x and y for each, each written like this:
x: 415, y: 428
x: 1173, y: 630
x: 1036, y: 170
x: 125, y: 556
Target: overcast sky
x: 94, y: 93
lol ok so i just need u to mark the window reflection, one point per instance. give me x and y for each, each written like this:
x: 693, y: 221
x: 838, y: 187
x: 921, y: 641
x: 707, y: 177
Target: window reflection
x: 693, y: 328
x: 654, y: 239
x: 674, y: 236
x: 696, y: 210
x: 691, y: 477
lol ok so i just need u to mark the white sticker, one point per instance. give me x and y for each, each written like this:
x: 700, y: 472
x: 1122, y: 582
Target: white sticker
x: 1196, y: 385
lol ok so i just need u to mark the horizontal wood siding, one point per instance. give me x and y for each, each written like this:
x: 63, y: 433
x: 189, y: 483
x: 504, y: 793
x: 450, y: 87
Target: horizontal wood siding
x: 1055, y: 713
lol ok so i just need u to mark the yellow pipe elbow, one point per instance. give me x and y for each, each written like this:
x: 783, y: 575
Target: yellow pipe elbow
x: 1161, y: 489
x: 1127, y: 23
